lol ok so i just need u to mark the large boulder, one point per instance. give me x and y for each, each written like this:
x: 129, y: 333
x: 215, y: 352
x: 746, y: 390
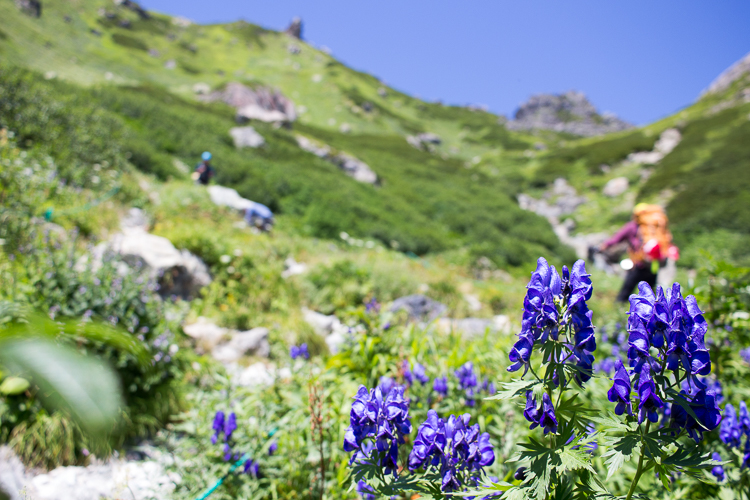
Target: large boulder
x: 250, y: 343
x: 30, y: 7
x: 615, y: 187
x: 258, y: 103
x: 329, y: 327
x: 178, y: 272
x: 13, y: 479
x: 419, y: 307
x: 246, y: 137
x: 206, y: 334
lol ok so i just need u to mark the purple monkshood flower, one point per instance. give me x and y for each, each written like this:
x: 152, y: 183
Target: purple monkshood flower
x: 744, y: 419
x: 649, y: 400
x: 372, y: 306
x: 419, y: 374
x: 365, y: 490
x: 273, y: 447
x: 408, y: 377
x: 301, y: 351
x: 489, y: 387
x: 544, y: 416
x: 458, y: 451
x: 230, y: 426
x: 382, y: 420
x: 718, y: 470
x: 745, y: 354
x: 704, y: 406
x: 251, y: 467
x: 218, y: 426
x: 620, y: 391
x: 467, y: 380
x: 441, y: 385
x: 386, y: 384
x: 731, y: 431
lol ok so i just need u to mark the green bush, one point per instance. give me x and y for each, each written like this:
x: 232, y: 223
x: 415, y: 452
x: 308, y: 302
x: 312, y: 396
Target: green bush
x: 129, y: 42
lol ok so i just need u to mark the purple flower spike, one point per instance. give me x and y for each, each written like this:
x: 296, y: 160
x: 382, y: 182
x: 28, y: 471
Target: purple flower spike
x: 419, y: 374
x: 649, y: 399
x: 620, y: 391
x: 718, y: 470
x: 731, y: 431
x: 230, y: 426
x: 547, y: 419
x: 441, y: 385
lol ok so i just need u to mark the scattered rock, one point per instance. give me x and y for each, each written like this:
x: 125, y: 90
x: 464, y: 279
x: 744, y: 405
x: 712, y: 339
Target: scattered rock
x: 135, y: 7
x: 293, y: 49
x: 259, y: 103
x: 125, y: 23
x: 330, y: 327
x: 179, y: 273
x: 382, y: 92
x: 201, y: 88
x: 615, y: 187
x: 357, y: 169
x: 30, y: 7
x: 228, y: 197
x: 170, y: 64
x: 668, y: 140
x: 207, y: 335
x: 425, y: 139
x: 293, y: 268
x: 95, y: 32
x: 419, y: 307
x: 729, y: 76
x: 473, y: 301
x: 570, y: 112
x: 475, y: 327
x: 252, y: 342
x: 182, y: 22
x: 13, y: 479
x: 154, y: 53
x: 254, y: 375
x: 295, y: 28
x: 246, y: 137
x: 345, y: 128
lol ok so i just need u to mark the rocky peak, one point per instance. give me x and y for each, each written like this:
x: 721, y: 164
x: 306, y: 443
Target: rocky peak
x: 259, y: 103
x: 570, y: 112
x: 729, y: 76
x: 295, y: 28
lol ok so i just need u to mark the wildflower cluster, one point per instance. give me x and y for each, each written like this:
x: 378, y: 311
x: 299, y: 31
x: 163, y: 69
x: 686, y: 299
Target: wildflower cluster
x: 299, y: 351
x: 223, y: 427
x: 555, y: 305
x: 734, y: 426
x: 666, y: 332
x: 378, y: 423
x: 458, y: 451
x: 417, y: 373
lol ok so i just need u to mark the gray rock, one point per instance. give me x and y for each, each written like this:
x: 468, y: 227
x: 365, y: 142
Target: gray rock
x: 570, y: 112
x: 293, y: 268
x: 668, y: 140
x: 254, y: 375
x: 427, y: 137
x: 729, y: 76
x: 251, y: 342
x: 295, y: 28
x: 134, y: 219
x: 615, y: 187
x: 293, y: 49
x: 353, y: 167
x: 330, y: 327
x: 246, y: 137
x: 13, y: 479
x: 424, y: 140
x: 170, y: 64
x: 30, y: 7
x: 207, y: 335
x: 179, y: 272
x: 259, y: 103
x: 419, y: 307
x: 201, y: 88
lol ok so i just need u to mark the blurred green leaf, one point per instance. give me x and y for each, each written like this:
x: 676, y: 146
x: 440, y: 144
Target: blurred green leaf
x: 12, y: 386
x: 82, y: 386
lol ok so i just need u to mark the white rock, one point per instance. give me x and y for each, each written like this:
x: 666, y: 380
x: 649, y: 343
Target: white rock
x: 668, y: 140
x: 246, y: 137
x: 201, y: 88
x: 255, y: 375
x: 330, y: 327
x: 13, y: 479
x: 473, y: 302
x: 616, y: 187
x: 251, y: 342
x: 170, y: 64
x: 293, y: 268
x: 731, y: 74
x: 134, y: 219
x: 351, y: 166
x: 207, y: 334
x: 321, y: 151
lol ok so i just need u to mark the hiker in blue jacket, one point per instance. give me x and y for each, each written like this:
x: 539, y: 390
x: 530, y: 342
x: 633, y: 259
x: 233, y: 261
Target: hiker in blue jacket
x: 260, y: 216
x: 204, y: 170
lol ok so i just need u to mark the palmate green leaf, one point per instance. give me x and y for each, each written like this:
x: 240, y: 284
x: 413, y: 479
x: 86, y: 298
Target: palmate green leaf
x: 621, y: 450
x: 512, y: 389
x: 611, y: 423
x: 85, y: 388
x: 574, y: 459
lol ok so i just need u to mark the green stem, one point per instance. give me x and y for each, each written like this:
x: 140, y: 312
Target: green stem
x: 639, y: 471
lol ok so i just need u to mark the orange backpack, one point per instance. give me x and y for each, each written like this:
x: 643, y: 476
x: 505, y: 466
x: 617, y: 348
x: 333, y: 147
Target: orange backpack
x: 653, y: 228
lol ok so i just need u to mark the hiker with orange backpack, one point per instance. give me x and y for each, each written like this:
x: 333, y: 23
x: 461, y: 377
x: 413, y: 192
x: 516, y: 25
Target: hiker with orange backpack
x: 649, y: 247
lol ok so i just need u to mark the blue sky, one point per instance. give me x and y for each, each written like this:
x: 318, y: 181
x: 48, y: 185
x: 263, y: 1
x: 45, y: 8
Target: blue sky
x: 639, y: 59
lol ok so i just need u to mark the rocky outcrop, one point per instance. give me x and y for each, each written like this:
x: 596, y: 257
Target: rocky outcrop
x: 30, y: 7
x: 226, y: 345
x: 570, y: 112
x: 246, y: 137
x: 295, y: 28
x: 419, y: 307
x: 259, y: 103
x: 353, y: 167
x: 668, y: 140
x: 615, y: 187
x: 135, y: 7
x: 13, y: 479
x: 228, y: 197
x: 475, y: 327
x: 329, y: 327
x: 424, y: 140
x: 178, y: 272
x: 729, y: 76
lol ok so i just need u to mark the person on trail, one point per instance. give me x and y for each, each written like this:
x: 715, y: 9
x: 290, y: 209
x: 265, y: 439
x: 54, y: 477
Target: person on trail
x: 204, y: 171
x: 259, y: 216
x: 649, y: 246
